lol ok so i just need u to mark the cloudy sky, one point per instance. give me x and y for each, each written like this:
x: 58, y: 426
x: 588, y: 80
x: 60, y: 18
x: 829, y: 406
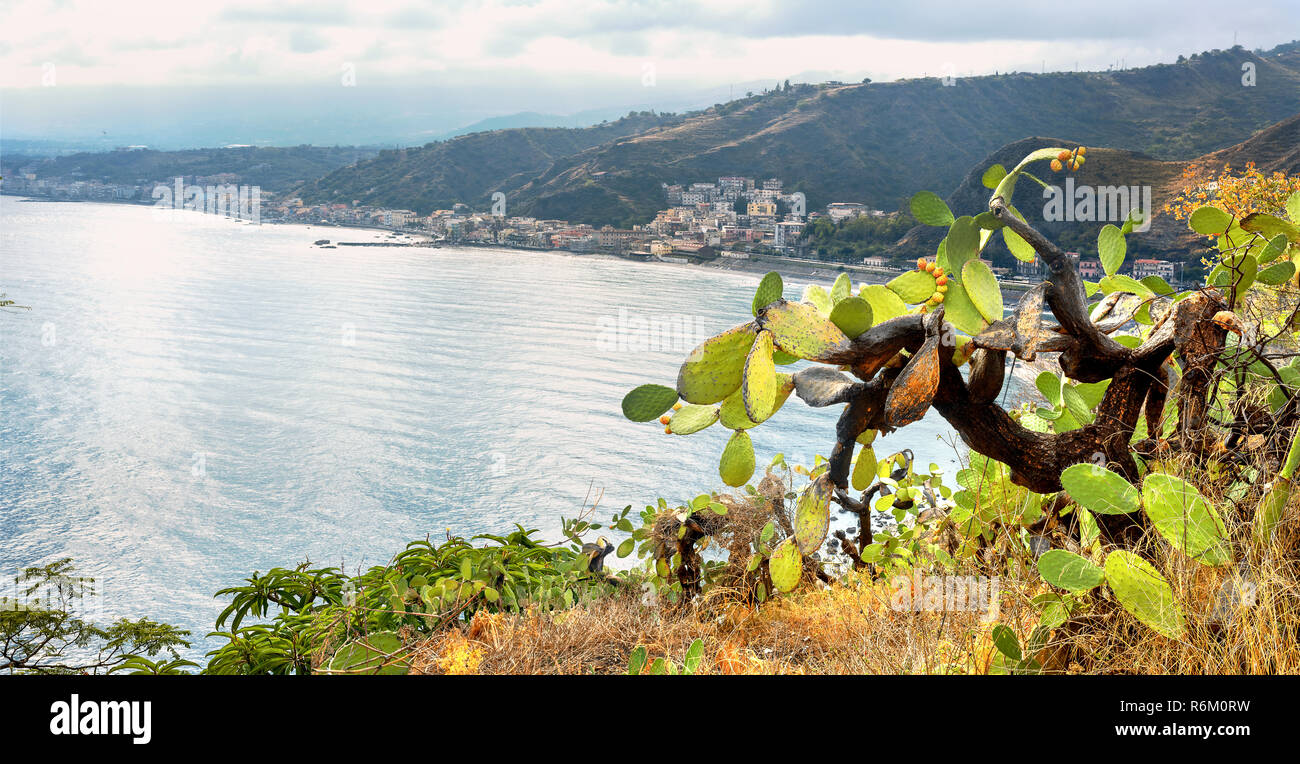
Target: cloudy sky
x: 77, y: 58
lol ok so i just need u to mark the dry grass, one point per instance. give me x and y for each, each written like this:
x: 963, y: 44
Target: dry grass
x: 851, y: 628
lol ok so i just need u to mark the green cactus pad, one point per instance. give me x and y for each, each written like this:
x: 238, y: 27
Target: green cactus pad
x: 992, y: 176
x: 843, y: 287
x: 758, y: 391
x: 1111, y: 248
x: 736, y: 466
x: 885, y: 302
x: 800, y: 330
x: 1269, y: 512
x: 1273, y: 249
x: 963, y: 244
x: 852, y: 315
x: 369, y: 655
x: 929, y: 209
x: 715, y: 368
x: 913, y: 287
x: 1069, y: 571
x: 1142, y: 591
x: 1098, y: 489
x: 817, y: 297
x: 1270, y: 225
x: 813, y: 515
x: 785, y: 565
x: 1277, y: 273
x: 770, y: 289
x: 1209, y: 221
x: 982, y: 288
x: 1186, y: 520
x: 691, y: 418
x: 648, y: 402
x: 864, y: 469
x: 961, y: 312
x: 733, y: 415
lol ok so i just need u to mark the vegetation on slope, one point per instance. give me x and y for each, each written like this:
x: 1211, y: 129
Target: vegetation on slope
x: 873, y: 142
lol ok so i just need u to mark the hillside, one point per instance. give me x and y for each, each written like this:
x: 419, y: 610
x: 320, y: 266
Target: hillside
x: 271, y: 168
x: 875, y: 143
x: 468, y: 168
x: 1274, y: 148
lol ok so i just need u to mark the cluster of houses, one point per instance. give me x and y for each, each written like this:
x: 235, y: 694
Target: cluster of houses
x: 1091, y: 269
x: 730, y: 217
x: 25, y: 183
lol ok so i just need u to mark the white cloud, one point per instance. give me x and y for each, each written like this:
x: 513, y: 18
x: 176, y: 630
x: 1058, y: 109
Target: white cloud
x: 160, y: 42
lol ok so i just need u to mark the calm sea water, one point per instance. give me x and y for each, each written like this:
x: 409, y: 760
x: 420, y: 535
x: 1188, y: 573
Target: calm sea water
x: 191, y: 398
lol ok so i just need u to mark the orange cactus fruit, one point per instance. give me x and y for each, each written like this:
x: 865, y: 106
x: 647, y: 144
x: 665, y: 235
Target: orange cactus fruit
x: 664, y: 419
x: 677, y: 407
x: 1064, y: 156
x: 920, y: 263
x: 940, y: 279
x: 668, y: 431
x: 930, y: 267
x: 941, y: 288
x: 1056, y: 165
x: 936, y: 298
x: 1081, y: 150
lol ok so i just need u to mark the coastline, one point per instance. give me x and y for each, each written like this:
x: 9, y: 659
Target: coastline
x: 757, y: 264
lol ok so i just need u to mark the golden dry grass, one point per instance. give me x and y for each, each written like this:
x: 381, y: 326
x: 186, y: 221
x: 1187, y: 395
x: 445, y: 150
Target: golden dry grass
x: 851, y: 628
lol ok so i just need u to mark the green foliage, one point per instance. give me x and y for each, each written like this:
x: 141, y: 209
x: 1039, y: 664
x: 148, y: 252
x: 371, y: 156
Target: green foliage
x: 347, y: 624
x: 665, y: 666
x: 41, y: 631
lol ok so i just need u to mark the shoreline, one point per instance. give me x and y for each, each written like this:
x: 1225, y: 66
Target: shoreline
x: 756, y: 264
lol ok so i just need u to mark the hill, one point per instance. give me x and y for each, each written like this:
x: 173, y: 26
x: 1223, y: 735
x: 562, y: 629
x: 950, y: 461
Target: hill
x: 873, y: 142
x: 272, y: 168
x: 1276, y: 148
x: 468, y: 168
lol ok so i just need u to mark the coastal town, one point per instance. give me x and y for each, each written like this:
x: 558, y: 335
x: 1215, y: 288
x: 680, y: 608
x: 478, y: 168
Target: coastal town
x: 734, y: 217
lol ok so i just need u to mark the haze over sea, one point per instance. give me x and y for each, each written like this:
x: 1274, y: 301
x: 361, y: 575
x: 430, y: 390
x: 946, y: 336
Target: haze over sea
x: 192, y: 398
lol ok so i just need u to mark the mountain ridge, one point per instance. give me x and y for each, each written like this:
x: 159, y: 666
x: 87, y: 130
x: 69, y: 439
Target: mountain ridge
x: 871, y: 142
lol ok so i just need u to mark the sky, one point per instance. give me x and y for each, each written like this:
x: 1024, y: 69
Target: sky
x: 80, y: 66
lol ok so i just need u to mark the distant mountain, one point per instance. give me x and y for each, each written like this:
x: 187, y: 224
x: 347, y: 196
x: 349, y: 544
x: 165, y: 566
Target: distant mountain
x: 469, y: 168
x: 274, y: 169
x: 875, y: 143
x: 1276, y: 148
